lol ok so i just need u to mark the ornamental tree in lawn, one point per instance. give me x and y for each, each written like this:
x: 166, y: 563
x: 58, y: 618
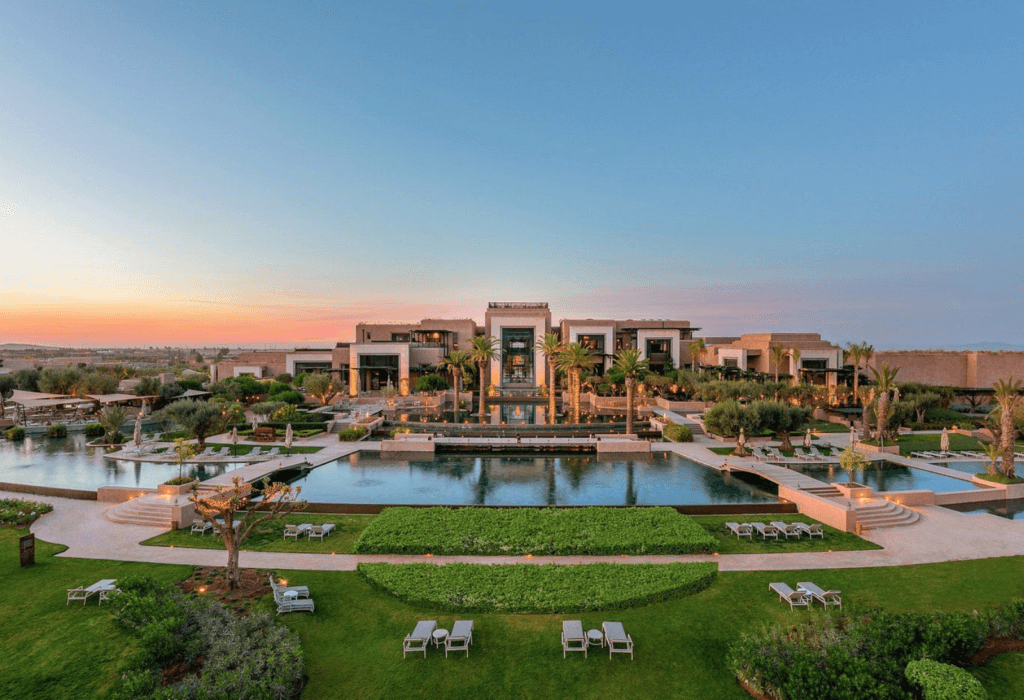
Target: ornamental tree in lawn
x: 199, y: 418
x: 225, y: 505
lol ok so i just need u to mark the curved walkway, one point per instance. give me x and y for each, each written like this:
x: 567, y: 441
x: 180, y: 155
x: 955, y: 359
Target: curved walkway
x: 941, y: 535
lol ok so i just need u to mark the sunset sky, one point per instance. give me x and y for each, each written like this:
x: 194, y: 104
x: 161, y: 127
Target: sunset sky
x: 216, y: 174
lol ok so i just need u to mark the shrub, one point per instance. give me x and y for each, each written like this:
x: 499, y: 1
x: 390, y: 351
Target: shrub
x: 678, y: 433
x: 726, y: 418
x: 274, y: 388
x: 293, y: 397
x: 545, y: 531
x: 57, y: 431
x: 178, y: 480
x: 286, y: 414
x: 944, y: 682
x: 14, y: 511
x: 532, y: 589
x: 351, y: 434
x: 15, y: 434
x: 431, y: 382
x: 1007, y: 620
x: 400, y: 431
x: 284, y: 378
x: 94, y: 430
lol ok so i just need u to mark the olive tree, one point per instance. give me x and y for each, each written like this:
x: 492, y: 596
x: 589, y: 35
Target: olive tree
x: 199, y: 418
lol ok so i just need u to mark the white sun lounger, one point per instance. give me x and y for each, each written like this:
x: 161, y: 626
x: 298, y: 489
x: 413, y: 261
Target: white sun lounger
x: 827, y: 598
x: 460, y: 638
x: 573, y: 638
x: 101, y: 587
x: 286, y: 603
x: 740, y: 529
x: 787, y: 594
x: 788, y: 529
x: 617, y: 640
x: 765, y: 531
x: 811, y: 529
x: 319, y: 531
x: 300, y: 591
x: 295, y: 530
x: 200, y: 526
x: 273, y: 451
x: 420, y: 637
x: 255, y: 451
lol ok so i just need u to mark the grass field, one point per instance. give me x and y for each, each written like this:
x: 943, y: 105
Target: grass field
x: 727, y: 543
x: 269, y: 537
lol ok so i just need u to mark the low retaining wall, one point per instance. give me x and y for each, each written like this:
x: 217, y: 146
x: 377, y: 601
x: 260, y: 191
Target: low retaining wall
x: 76, y: 494
x: 972, y: 496
x: 120, y: 494
x: 910, y: 498
x: 731, y: 509
x: 825, y: 510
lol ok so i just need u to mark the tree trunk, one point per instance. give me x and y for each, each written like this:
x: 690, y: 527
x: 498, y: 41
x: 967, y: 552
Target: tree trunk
x: 1006, y: 427
x: 786, y: 444
x: 483, y: 399
x: 551, y: 391
x: 577, y: 389
x: 630, y: 388
x: 856, y: 377
x: 881, y: 410
x: 457, y: 381
x: 234, y: 574
x: 865, y: 427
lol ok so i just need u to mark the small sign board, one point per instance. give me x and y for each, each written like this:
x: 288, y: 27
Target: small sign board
x: 27, y: 549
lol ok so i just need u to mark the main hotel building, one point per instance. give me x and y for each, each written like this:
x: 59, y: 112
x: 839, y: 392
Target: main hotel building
x: 399, y: 353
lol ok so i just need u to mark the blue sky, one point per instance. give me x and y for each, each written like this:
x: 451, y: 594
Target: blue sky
x: 185, y: 173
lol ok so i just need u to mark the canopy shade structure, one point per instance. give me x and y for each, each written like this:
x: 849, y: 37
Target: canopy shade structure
x: 17, y: 396
x: 113, y: 398
x: 50, y: 403
x: 193, y: 393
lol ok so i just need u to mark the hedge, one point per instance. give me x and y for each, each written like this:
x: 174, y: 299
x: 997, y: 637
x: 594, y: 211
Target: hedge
x: 944, y: 682
x: 57, y: 431
x: 15, y: 434
x: 540, y: 531
x: 535, y: 589
x: 351, y: 434
x: 678, y: 433
x: 94, y: 430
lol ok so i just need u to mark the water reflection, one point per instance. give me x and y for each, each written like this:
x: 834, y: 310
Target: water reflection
x: 526, y: 480
x: 887, y: 476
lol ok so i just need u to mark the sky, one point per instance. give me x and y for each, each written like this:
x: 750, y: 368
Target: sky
x: 180, y: 173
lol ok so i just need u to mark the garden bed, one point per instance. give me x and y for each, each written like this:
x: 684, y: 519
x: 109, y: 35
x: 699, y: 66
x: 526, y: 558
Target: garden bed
x: 14, y: 511
x: 530, y: 588
x: 538, y: 531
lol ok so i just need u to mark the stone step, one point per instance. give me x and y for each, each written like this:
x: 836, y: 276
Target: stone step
x: 141, y: 512
x: 885, y: 514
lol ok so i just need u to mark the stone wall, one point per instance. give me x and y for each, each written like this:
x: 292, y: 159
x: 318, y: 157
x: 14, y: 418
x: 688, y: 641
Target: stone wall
x: 978, y: 370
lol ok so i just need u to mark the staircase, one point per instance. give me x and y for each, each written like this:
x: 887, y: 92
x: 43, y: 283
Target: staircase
x: 142, y: 511
x: 880, y: 513
x: 828, y: 491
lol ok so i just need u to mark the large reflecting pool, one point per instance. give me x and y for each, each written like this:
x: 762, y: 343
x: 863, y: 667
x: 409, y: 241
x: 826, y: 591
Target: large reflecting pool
x: 1012, y: 509
x: 887, y: 476
x: 70, y: 463
x: 659, y: 479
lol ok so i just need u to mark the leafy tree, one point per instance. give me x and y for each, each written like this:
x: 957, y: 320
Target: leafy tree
x: 885, y: 380
x: 698, y: 350
x: 866, y: 395
x: 300, y: 378
x: 267, y: 408
x: 726, y: 418
x: 235, y: 413
x: 628, y: 362
x: 95, y: 382
x: 148, y: 386
x: 193, y: 384
x: 458, y: 362
x: 28, y: 379
x: 199, y: 418
x: 58, y: 380
x: 112, y: 418
x: 482, y: 352
x: 920, y: 403
x: 321, y: 387
x: 292, y: 397
x: 8, y: 383
x: 169, y: 392
x: 283, y: 378
x: 287, y: 414
x: 851, y: 460
x: 185, y: 452
x: 993, y: 451
x: 550, y: 345
x: 431, y: 382
x: 574, y: 360
x: 1008, y: 396
x: 225, y: 505
x: 782, y: 419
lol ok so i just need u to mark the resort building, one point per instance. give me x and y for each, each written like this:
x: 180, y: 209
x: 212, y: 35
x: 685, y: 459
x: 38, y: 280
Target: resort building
x: 819, y: 360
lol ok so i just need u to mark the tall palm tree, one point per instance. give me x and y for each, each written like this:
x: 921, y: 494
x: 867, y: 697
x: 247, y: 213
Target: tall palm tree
x: 458, y: 362
x: 482, y: 352
x: 573, y: 360
x: 628, y: 362
x: 778, y: 354
x: 550, y: 345
x: 854, y: 353
x: 794, y: 355
x: 1008, y: 394
x: 867, y: 352
x: 697, y: 352
x: 866, y: 395
x: 885, y: 378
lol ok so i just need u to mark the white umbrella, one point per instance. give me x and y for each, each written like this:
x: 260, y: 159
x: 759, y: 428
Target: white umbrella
x: 807, y: 439
x: 255, y: 424
x: 288, y: 437
x: 138, y: 432
x: 853, y: 435
x: 234, y: 436
x: 741, y: 441
x: 944, y: 441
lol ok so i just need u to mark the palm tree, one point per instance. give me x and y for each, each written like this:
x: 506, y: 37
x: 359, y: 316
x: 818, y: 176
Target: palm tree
x: 458, y: 362
x: 1008, y: 394
x: 778, y: 354
x: 697, y: 352
x: 550, y: 345
x: 628, y: 362
x: 993, y: 451
x: 885, y: 377
x: 867, y: 352
x: 794, y: 355
x: 573, y: 360
x: 866, y: 395
x: 482, y: 352
x: 854, y: 353
x: 112, y: 418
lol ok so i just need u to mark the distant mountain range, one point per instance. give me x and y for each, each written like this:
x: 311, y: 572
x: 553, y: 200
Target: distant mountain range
x: 24, y: 346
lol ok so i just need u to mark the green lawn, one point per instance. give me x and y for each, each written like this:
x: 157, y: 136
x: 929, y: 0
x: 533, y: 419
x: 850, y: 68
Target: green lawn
x: 930, y: 443
x: 269, y: 537
x: 352, y: 644
x: 823, y: 426
x: 48, y: 649
x: 242, y: 450
x: 834, y: 540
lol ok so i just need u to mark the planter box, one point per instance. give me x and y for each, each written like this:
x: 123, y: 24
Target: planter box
x: 855, y: 490
x: 888, y: 449
x: 176, y: 490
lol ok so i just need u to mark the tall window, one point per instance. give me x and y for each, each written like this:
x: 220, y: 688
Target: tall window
x: 594, y: 343
x: 517, y: 355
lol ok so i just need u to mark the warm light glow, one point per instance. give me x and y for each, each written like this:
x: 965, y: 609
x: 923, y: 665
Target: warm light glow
x: 202, y: 589
x: 428, y: 554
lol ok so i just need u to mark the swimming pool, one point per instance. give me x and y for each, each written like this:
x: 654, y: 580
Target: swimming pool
x: 968, y: 467
x: 71, y: 464
x: 460, y: 479
x: 1012, y: 509
x: 887, y: 476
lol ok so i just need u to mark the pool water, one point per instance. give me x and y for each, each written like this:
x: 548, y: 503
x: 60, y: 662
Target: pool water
x: 887, y: 476
x: 658, y: 479
x: 70, y: 463
x: 964, y: 466
x: 1012, y: 509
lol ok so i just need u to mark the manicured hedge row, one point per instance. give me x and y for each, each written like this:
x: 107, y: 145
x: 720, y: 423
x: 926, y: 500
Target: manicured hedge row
x: 944, y: 682
x: 863, y: 655
x: 15, y: 434
x: 531, y: 588
x: 678, y: 433
x: 351, y: 434
x: 541, y: 531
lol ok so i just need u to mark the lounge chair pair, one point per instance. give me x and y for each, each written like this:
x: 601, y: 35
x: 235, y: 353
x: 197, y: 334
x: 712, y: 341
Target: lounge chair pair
x: 613, y: 636
x: 309, y: 529
x: 805, y: 593
x: 741, y: 529
x: 797, y: 529
x: 458, y: 639
x: 291, y: 598
x: 102, y: 588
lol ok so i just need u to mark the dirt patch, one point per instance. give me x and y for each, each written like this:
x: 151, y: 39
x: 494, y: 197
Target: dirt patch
x: 994, y: 647
x: 211, y: 581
